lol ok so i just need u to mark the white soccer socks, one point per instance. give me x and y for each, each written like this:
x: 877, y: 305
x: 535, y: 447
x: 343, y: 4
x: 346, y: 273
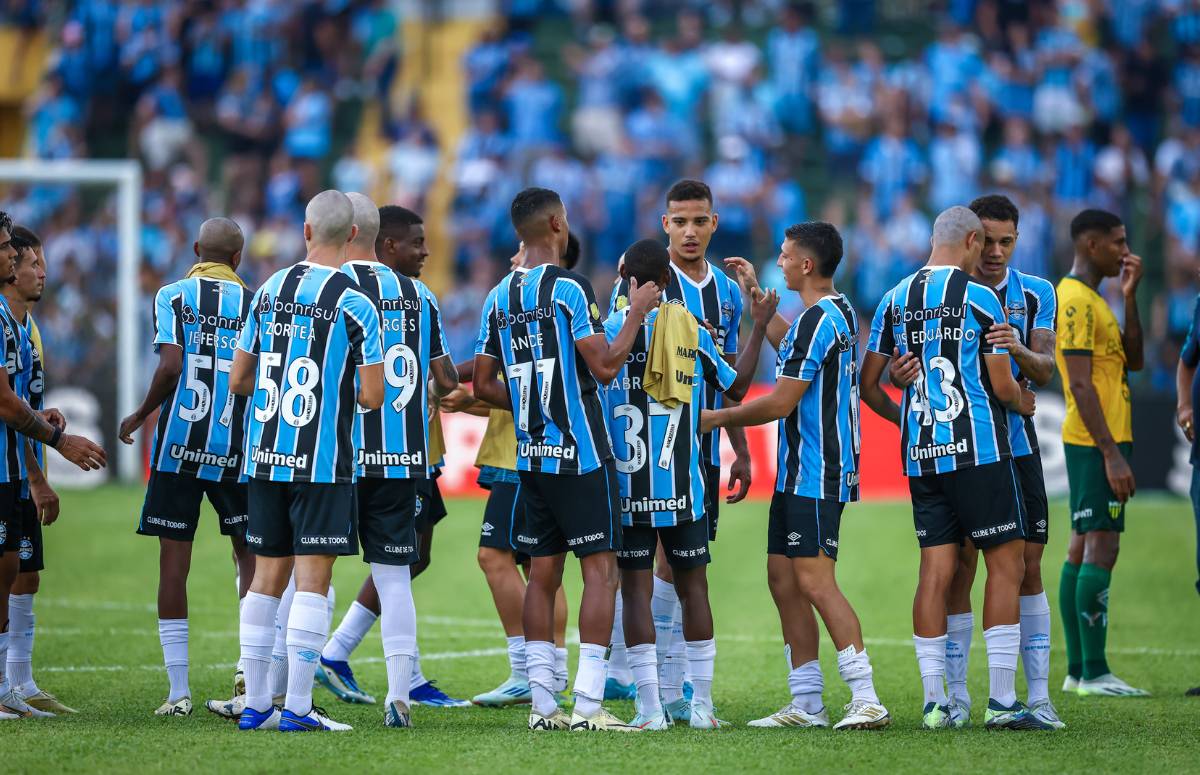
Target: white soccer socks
x: 308, y: 626
x: 854, y: 666
x: 354, y: 626
x: 931, y: 660
x: 959, y: 629
x: 398, y: 623
x: 539, y: 663
x: 20, y: 644
x: 643, y: 663
x: 589, y: 679
x: 560, y: 669
x: 1003, y: 644
x: 418, y: 678
x: 330, y: 604
x: 279, y: 652
x: 618, y: 658
x: 701, y: 658
x: 806, y: 684
x: 3, y: 663
x: 1035, y: 645
x: 257, y: 636
x: 662, y: 608
x: 173, y: 635
x: 516, y: 658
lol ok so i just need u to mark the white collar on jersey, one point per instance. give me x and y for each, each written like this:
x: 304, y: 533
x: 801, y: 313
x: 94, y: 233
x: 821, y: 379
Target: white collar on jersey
x: 683, y: 278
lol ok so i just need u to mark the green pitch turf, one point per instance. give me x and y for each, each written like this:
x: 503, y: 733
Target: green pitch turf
x: 97, y: 648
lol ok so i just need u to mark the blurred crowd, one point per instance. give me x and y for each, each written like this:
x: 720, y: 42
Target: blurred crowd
x: 871, y: 115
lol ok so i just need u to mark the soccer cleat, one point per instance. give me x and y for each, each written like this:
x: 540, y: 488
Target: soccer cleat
x: 47, y: 702
x: 12, y: 703
x: 228, y: 709
x: 239, y: 683
x: 513, y: 691
x: 555, y: 722
x: 935, y: 716
x: 337, y: 677
x: 252, y: 720
x: 601, y: 721
x: 1016, y: 717
x: 960, y: 713
x: 397, y: 715
x: 1108, y: 685
x: 615, y: 690
x: 1070, y: 684
x: 316, y: 720
x: 703, y: 717
x: 181, y: 708
x: 428, y: 694
x: 653, y: 723
x: 1044, y: 710
x: 861, y: 714
x: 1193, y: 692
x: 6, y: 716
x: 678, y: 712
x: 792, y: 716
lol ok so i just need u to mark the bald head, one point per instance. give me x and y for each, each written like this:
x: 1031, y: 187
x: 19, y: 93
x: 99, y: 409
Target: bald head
x: 220, y: 239
x: 366, y: 218
x: 953, y: 226
x: 329, y: 219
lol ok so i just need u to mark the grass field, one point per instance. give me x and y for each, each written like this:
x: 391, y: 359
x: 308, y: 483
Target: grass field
x: 97, y: 648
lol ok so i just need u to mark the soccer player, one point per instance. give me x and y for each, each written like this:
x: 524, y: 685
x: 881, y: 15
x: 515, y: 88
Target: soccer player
x: 21, y: 294
x: 400, y: 245
x: 394, y: 451
x: 309, y: 355
x: 22, y: 424
x: 1093, y: 356
x: 957, y: 456
x: 197, y: 448
x: 815, y: 401
x: 1028, y: 335
x: 542, y: 325
x: 658, y: 463
x: 713, y: 298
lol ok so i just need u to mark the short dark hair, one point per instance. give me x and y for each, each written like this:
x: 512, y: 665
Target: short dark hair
x: 995, y: 207
x: 1093, y: 220
x: 823, y: 240
x: 23, y: 239
x: 396, y: 218
x: 687, y: 190
x: 5, y: 222
x: 646, y: 260
x: 570, y: 258
x: 531, y: 202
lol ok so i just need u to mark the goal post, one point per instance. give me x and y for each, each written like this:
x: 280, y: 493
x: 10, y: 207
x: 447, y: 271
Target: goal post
x: 126, y: 176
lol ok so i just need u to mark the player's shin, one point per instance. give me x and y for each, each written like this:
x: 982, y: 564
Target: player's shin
x: 643, y: 663
x: 959, y: 631
x: 701, y: 658
x: 21, y: 622
x: 589, y: 678
x: 806, y: 684
x: 1003, y: 643
x: 353, y: 628
x: 257, y: 637
x: 1035, y: 645
x: 173, y: 636
x: 539, y: 662
x: 855, y: 668
x: 931, y: 660
x: 308, y: 626
x: 279, y: 652
x: 398, y: 625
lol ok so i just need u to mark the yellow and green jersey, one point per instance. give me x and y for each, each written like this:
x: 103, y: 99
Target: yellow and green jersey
x: 1087, y: 326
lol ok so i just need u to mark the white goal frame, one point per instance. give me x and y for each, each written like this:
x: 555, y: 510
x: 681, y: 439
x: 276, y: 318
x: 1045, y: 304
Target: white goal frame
x: 126, y: 176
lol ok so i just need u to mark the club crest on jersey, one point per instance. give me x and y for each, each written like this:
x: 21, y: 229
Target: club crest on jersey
x: 727, y: 310
x: 1016, y: 310
x: 924, y: 276
x: 264, y: 305
x: 844, y: 343
x: 189, y: 315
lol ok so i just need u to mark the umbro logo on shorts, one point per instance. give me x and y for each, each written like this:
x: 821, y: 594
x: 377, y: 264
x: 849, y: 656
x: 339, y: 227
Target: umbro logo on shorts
x: 1041, y: 524
x: 487, y: 529
x: 793, y: 538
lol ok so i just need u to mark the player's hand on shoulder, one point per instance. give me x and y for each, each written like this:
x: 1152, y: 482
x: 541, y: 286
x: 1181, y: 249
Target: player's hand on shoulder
x: 1131, y: 273
x: 127, y: 427
x: 82, y: 452
x: 55, y: 418
x: 744, y: 273
x: 642, y: 297
x: 903, y: 370
x: 763, y: 305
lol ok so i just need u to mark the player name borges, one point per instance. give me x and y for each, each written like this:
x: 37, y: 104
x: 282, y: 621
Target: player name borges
x: 267, y: 457
x: 180, y: 452
x: 526, y: 449
x: 366, y: 458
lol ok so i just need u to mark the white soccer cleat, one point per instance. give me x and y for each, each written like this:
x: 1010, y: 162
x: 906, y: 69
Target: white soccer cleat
x: 601, y: 721
x: 12, y: 703
x: 179, y: 708
x: 960, y: 713
x: 1070, y: 684
x: 861, y: 714
x: 1108, y: 686
x: 513, y: 691
x: 47, y: 702
x: 1044, y: 711
x: 792, y: 716
x: 704, y: 717
x: 228, y: 709
x: 654, y: 723
x: 558, y: 721
x: 316, y: 720
x: 6, y: 716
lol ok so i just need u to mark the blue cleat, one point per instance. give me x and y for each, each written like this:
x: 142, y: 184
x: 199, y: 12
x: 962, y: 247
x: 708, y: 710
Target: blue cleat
x: 678, y: 712
x: 316, y: 720
x: 428, y: 694
x: 252, y: 720
x: 687, y: 690
x: 615, y: 690
x: 514, y: 691
x: 338, y: 678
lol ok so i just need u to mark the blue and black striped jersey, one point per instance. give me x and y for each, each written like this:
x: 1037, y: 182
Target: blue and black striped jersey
x: 951, y: 419
x: 18, y: 361
x: 819, y: 440
x: 311, y: 328
x: 715, y: 300
x: 1030, y: 303
x: 393, y: 441
x: 657, y: 450
x: 530, y: 323
x: 201, y: 426
x: 37, y: 390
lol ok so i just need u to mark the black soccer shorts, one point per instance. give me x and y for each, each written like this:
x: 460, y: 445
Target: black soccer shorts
x: 299, y: 518
x: 10, y: 517
x: 980, y: 503
x: 803, y: 527
x: 686, y: 545
x: 1033, y: 491
x: 172, y: 506
x: 387, y: 520
x: 576, y: 512
x: 29, y: 548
